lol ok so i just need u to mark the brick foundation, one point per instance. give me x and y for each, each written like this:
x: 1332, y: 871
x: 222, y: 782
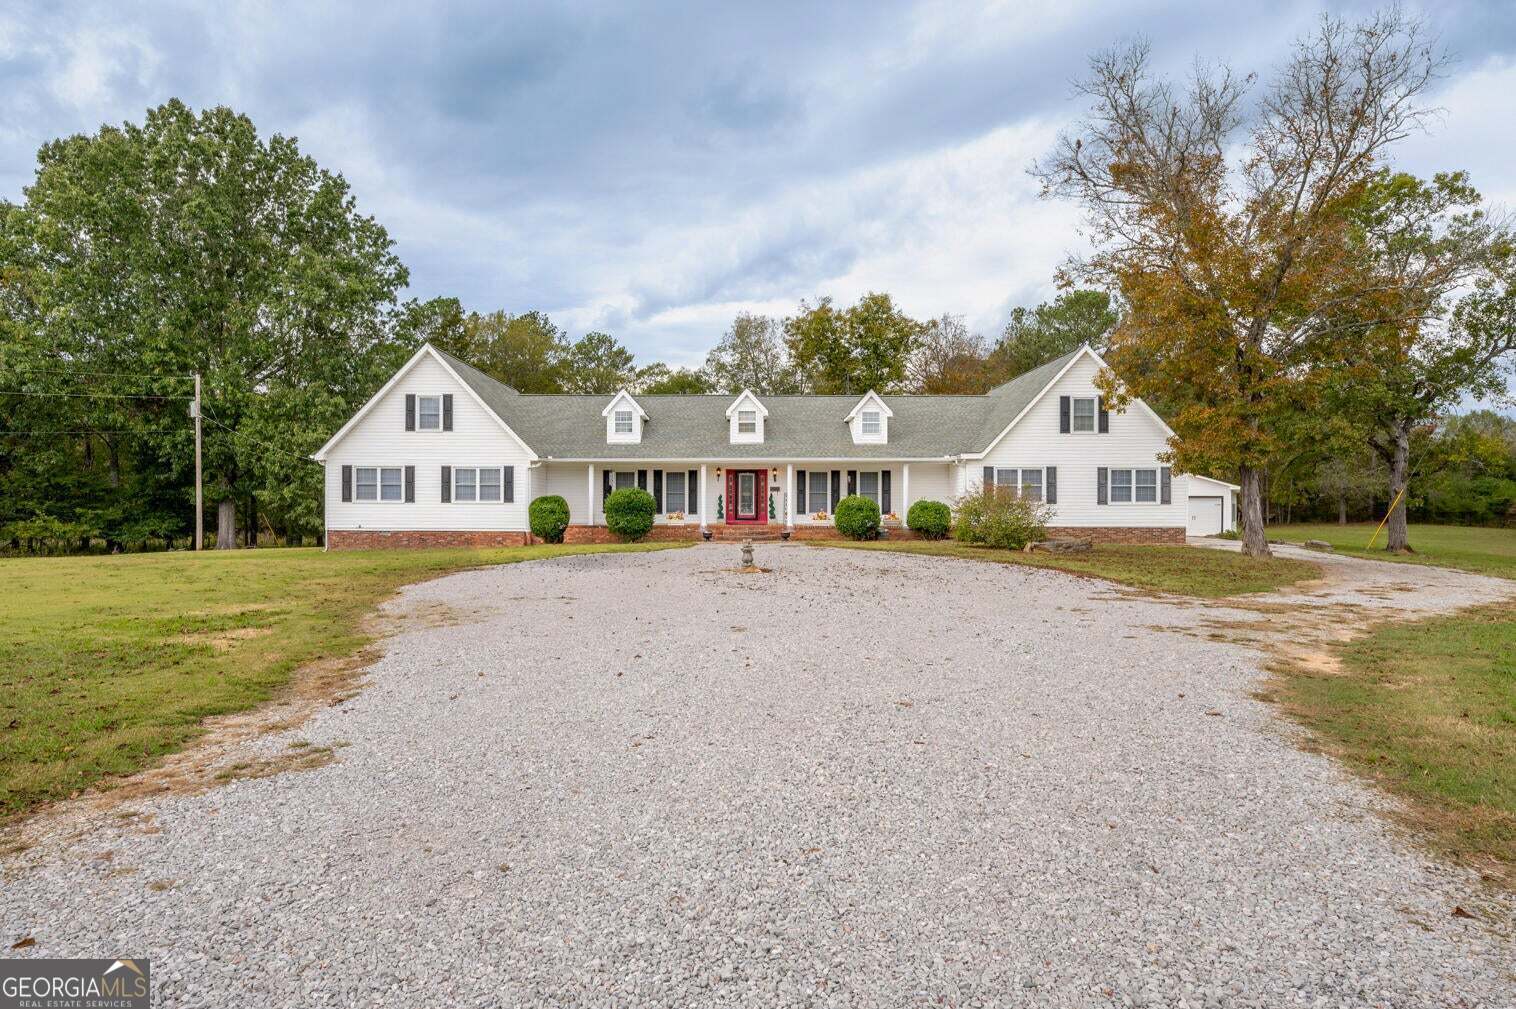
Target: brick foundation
x: 373, y: 539
x: 658, y: 534
x: 1173, y: 535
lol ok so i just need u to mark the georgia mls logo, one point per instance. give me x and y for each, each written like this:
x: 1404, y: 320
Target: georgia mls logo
x: 74, y: 984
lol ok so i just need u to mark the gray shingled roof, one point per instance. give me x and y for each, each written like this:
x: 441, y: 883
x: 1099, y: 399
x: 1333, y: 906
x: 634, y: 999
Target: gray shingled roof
x: 798, y: 427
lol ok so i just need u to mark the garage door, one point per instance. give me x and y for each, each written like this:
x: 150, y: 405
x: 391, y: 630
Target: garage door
x: 1205, y: 516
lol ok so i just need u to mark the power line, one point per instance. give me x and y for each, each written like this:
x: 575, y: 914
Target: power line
x: 38, y: 434
x: 94, y: 395
x: 113, y: 374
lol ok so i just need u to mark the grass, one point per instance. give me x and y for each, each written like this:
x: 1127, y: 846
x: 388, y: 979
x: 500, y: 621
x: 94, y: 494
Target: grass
x: 108, y: 663
x: 1428, y: 710
x: 1470, y: 548
x: 1190, y: 571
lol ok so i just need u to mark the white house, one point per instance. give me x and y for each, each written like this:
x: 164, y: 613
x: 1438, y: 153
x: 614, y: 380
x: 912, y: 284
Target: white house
x: 446, y: 455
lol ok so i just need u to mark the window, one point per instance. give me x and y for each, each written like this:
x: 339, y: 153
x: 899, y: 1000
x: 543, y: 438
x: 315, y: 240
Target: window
x: 374, y: 483
x: 871, y: 423
x: 489, y: 484
x: 626, y: 478
x: 1134, y: 485
x: 1026, y: 483
x: 1084, y: 415
x: 747, y: 421
x: 429, y: 413
x: 463, y: 484
x: 673, y: 491
x: 868, y: 485
x: 623, y: 422
x: 817, y: 491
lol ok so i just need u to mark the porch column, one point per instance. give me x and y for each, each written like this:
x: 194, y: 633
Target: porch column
x: 789, y: 496
x: 705, y: 503
x: 526, y: 490
x: 589, y: 496
x: 905, y: 488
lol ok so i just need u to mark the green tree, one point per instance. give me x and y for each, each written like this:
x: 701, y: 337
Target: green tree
x: 597, y: 363
x: 1054, y: 328
x: 751, y: 355
x: 659, y: 379
x: 1405, y: 355
x: 527, y: 352
x: 190, y: 244
x: 867, y: 346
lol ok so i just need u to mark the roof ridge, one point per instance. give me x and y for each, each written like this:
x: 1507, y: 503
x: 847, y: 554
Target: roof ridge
x: 475, y: 372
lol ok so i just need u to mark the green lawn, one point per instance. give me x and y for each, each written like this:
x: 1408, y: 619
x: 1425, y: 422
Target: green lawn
x: 107, y: 663
x: 1428, y: 710
x: 1190, y: 571
x: 1472, y: 548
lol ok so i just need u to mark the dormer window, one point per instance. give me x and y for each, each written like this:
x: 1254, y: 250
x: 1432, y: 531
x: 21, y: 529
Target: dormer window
x: 429, y: 413
x: 624, y: 419
x: 745, y: 419
x: 869, y: 420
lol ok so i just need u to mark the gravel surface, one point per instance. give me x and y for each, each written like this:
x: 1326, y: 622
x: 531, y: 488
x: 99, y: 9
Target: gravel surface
x: 861, y: 779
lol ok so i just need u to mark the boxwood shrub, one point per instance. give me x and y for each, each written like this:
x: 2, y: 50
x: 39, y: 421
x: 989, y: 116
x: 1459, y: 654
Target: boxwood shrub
x: 629, y: 512
x: 929, y: 519
x: 858, y: 518
x: 548, y: 517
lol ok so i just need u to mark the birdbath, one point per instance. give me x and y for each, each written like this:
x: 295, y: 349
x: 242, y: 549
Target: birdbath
x: 747, y: 553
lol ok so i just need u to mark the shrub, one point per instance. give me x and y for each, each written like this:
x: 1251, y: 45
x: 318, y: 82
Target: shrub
x: 549, y: 516
x: 929, y: 519
x: 629, y: 512
x: 858, y: 518
x: 1000, y: 517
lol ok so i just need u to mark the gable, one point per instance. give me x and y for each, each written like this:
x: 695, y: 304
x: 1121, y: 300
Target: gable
x: 428, y: 372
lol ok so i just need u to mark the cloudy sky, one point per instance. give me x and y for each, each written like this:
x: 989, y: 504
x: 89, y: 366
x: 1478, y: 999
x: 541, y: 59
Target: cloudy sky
x: 651, y: 171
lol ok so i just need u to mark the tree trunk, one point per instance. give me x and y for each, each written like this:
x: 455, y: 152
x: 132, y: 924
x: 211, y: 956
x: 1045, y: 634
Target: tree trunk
x: 1342, y: 509
x: 1399, y: 538
x: 1255, y: 542
x: 226, y: 525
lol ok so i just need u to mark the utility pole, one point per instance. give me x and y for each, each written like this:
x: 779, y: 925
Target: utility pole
x: 199, y: 504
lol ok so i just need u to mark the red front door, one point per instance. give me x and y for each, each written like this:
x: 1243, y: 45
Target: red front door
x: 747, y: 496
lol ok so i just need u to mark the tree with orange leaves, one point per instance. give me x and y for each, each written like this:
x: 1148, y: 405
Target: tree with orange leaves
x: 1226, y: 227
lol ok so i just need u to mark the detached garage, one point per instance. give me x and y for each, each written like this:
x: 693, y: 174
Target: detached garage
x: 1213, y: 506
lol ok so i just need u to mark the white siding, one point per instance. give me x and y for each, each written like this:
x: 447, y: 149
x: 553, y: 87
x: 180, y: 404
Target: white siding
x: 1134, y: 440
x: 930, y: 482
x: 380, y: 439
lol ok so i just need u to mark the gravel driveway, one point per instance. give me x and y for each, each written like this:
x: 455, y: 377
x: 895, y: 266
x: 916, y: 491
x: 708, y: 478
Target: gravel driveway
x: 861, y: 779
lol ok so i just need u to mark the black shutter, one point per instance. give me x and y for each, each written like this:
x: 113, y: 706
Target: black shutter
x: 1064, y: 425
x: 692, y: 492
x: 347, y: 483
x: 800, y: 506
x: 410, y: 485
x: 410, y: 411
x: 852, y: 482
x: 509, y: 483
x: 642, y: 479
x: 884, y: 491
x: 447, y: 411
x: 447, y: 484
x: 836, y: 488
x: 1166, y: 486
x: 989, y: 477
x: 1105, y: 417
x: 1101, y: 494
x: 1050, y: 485
x: 658, y: 490
x: 605, y: 485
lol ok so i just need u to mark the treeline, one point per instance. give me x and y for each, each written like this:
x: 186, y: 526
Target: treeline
x: 145, y: 254
x: 822, y: 348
